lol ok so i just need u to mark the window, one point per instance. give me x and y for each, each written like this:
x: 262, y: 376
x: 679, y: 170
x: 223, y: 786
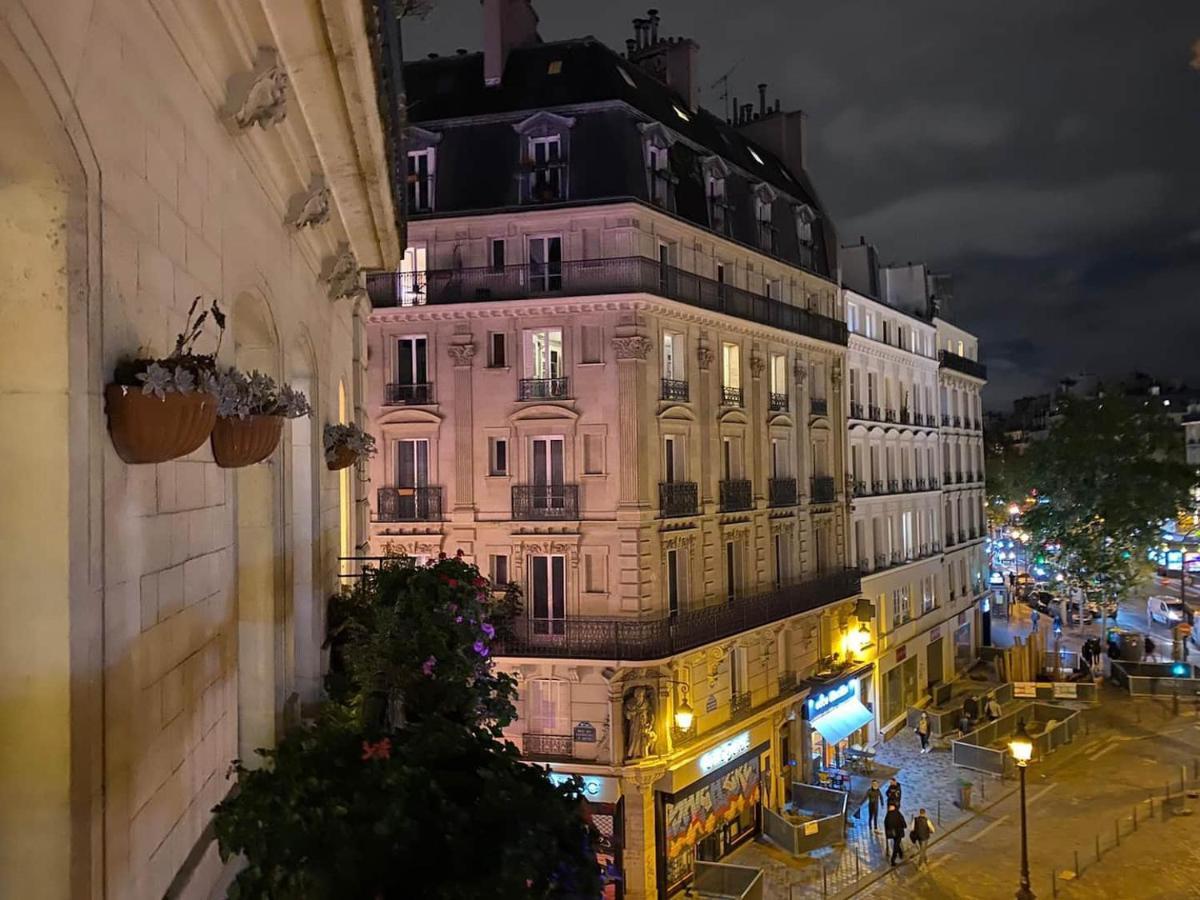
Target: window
x: 658, y: 172
x: 544, y: 353
x: 673, y: 356
x: 548, y: 706
x: 718, y: 210
x: 869, y: 325
x: 412, y: 276
x: 779, y: 560
x: 498, y: 565
x: 673, y: 459
x: 856, y: 463
x: 546, y: 169
x: 731, y: 365
x: 546, y: 463
x: 420, y: 180
x: 555, y: 67
x: 779, y: 374
x: 593, y: 454
x: 928, y: 598
x: 854, y: 388
x: 497, y: 355
x: 739, y: 678
x: 497, y: 456
x: 852, y: 317
x: 497, y: 259
x: 805, y: 216
x: 780, y: 458
x: 545, y: 263
x: 763, y: 203
x: 731, y: 458
x: 774, y: 289
x: 731, y: 570
x: 547, y: 591
x: 592, y: 349
x: 887, y: 331
x: 412, y: 463
x: 901, y: 608
x: 412, y: 375
x: 674, y: 579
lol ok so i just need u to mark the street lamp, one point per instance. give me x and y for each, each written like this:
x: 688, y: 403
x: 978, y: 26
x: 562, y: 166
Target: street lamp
x: 683, y: 710
x: 1021, y: 748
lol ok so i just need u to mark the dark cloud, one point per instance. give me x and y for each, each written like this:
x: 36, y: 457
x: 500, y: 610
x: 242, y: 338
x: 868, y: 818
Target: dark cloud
x: 1045, y: 153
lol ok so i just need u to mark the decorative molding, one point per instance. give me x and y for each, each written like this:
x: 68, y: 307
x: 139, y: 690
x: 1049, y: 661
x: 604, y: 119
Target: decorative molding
x: 800, y: 371
x: 712, y: 661
x: 705, y: 357
x: 632, y: 347
x: 260, y: 97
x: 311, y: 208
x: 835, y: 375
x: 342, y: 276
x: 679, y: 540
x: 420, y: 138
x: 659, y: 133
x: 544, y: 121
x: 758, y: 365
x: 461, y: 354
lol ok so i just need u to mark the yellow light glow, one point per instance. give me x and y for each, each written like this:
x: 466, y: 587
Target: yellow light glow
x: 1021, y: 745
x: 1014, y: 510
x: 683, y: 711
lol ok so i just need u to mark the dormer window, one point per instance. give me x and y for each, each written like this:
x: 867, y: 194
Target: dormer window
x: 715, y: 173
x: 544, y: 138
x: 660, y: 182
x: 422, y: 166
x: 764, y: 200
x: 805, y: 217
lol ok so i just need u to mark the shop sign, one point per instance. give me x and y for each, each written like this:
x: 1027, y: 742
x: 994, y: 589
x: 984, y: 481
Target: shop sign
x: 827, y: 700
x: 1024, y: 689
x: 1067, y: 690
x: 595, y: 787
x: 726, y: 752
x: 585, y: 733
x: 811, y: 827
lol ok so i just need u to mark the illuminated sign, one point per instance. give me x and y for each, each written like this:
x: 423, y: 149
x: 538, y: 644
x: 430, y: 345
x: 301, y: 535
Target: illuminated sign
x: 726, y: 752
x: 594, y: 787
x: 832, y: 698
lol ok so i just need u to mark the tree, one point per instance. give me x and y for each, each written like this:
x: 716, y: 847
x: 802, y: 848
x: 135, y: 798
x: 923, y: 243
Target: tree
x: 1107, y: 476
x: 403, y: 787
x: 1007, y: 481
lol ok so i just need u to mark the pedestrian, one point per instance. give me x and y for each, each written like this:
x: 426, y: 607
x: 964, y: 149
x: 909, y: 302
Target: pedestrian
x: 992, y: 709
x: 922, y: 731
x: 893, y: 793
x: 893, y: 828
x: 874, y: 796
x: 971, y: 709
x: 922, y: 831
x: 1150, y: 648
x: 1033, y: 618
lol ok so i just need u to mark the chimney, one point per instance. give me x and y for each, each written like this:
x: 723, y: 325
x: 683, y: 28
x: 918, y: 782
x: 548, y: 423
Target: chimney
x: 653, y: 20
x: 762, y: 99
x: 639, y: 31
x: 630, y: 47
x: 781, y: 133
x: 506, y: 24
x: 670, y: 60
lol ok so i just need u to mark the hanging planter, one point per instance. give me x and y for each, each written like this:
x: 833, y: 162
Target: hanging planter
x: 250, y: 417
x: 162, y: 409
x: 346, y: 445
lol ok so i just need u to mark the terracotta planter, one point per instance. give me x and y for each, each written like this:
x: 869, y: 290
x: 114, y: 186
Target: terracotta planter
x: 340, y: 458
x: 243, y: 442
x: 145, y: 429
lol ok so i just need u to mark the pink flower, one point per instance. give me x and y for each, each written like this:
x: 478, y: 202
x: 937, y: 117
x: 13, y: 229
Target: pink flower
x: 427, y: 666
x: 453, y: 582
x: 479, y: 582
x: 379, y: 750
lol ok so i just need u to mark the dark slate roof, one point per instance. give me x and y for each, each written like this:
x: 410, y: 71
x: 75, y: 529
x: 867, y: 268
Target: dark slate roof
x: 453, y: 87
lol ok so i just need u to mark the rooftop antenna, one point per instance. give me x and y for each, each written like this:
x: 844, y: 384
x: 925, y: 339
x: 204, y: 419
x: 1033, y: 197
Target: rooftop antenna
x: 723, y: 81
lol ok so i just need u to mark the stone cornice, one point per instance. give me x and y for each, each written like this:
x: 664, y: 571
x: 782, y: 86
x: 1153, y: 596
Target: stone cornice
x: 872, y: 349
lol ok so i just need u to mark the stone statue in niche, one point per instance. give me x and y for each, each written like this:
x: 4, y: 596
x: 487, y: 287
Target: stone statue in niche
x: 640, y: 738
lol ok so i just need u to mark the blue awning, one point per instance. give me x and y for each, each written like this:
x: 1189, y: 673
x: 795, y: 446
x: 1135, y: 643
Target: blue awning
x: 842, y: 721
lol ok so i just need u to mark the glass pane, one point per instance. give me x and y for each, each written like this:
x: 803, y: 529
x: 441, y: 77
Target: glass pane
x: 541, y: 600
x: 419, y: 361
x: 556, y: 462
x: 404, y: 362
x: 540, y: 465
x: 558, y: 588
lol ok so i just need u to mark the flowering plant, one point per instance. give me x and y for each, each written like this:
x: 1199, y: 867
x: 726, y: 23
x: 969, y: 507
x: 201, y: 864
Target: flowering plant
x: 184, y: 370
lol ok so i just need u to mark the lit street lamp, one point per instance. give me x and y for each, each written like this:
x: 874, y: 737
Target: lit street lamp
x: 1021, y: 747
x: 683, y: 710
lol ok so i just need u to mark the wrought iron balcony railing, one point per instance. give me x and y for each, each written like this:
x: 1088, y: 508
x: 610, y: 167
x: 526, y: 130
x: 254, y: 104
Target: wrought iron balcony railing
x: 778, y: 402
x: 903, y: 416
x: 539, y: 502
x: 889, y: 415
x: 971, y: 367
x: 856, y: 409
x: 819, y: 407
x: 945, y: 419
x: 674, y: 389
x: 731, y: 396
x: 548, y: 745
x: 876, y: 487
x: 677, y: 498
x: 881, y: 561
x: 408, y: 394
x: 736, y: 494
x: 893, y: 486
x: 739, y: 704
x: 920, y: 484
x: 957, y: 421
x: 657, y: 638
x: 860, y: 489
x: 591, y: 277
x: 783, y: 491
x: 544, y: 388
x: 409, y: 504
x: 823, y: 489
x: 873, y: 412
x: 864, y: 566
x: 906, y: 485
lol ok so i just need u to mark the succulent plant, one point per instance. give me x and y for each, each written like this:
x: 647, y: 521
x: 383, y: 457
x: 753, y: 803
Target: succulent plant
x: 352, y: 438
x: 240, y: 395
x: 184, y: 371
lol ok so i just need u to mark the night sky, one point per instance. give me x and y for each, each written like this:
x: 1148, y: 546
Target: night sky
x: 1045, y: 153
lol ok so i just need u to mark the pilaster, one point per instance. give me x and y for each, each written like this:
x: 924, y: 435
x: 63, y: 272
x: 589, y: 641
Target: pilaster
x: 462, y: 356
x: 632, y: 351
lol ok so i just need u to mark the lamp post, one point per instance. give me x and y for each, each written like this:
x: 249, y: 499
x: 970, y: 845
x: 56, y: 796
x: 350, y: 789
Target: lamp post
x: 1021, y: 747
x: 684, y: 715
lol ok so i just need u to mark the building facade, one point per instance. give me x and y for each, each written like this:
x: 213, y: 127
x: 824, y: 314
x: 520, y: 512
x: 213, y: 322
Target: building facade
x: 163, y: 620
x: 611, y: 371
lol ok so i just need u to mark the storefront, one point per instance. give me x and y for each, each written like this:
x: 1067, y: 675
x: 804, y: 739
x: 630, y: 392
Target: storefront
x: 900, y: 686
x: 606, y: 811
x: 964, y: 647
x: 835, y: 719
x: 935, y: 657
x: 714, y: 806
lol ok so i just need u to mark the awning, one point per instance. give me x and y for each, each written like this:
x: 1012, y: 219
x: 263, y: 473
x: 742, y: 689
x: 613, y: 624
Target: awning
x: 841, y: 721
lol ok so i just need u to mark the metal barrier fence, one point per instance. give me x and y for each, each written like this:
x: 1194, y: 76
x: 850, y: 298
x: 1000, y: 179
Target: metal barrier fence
x: 944, y: 719
x: 827, y: 825
x: 976, y: 751
x: 1143, y: 679
x: 721, y: 880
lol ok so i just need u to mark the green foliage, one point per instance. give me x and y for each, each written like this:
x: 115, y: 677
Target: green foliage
x: 402, y: 787
x: 1111, y: 473
x: 1007, y: 481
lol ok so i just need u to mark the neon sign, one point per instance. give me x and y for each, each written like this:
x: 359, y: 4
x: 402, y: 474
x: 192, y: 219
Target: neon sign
x: 832, y: 698
x: 726, y: 752
x: 592, y: 787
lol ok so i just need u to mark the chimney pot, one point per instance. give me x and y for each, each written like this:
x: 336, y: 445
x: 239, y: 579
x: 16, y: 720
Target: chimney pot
x: 776, y: 104
x: 762, y: 99
x: 630, y: 46
x: 653, y: 14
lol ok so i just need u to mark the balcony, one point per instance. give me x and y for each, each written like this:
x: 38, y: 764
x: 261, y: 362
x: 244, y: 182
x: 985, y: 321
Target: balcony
x: 906, y: 485
x: 945, y: 420
x: 873, y: 412
x: 933, y: 484
x: 893, y: 486
x: 677, y: 498
x: 856, y: 409
x: 736, y: 494
x: 593, y: 277
x: 889, y: 415
x: 408, y: 394
x: 950, y: 539
x: 544, y: 388
x: 739, y: 704
x: 819, y: 407
x: 948, y: 360
x: 657, y: 638
x: 864, y: 566
x: 823, y: 489
x: 545, y: 502
x: 777, y: 402
x: 787, y: 682
x: 881, y: 561
x: 409, y: 504
x: 860, y: 489
x: 904, y: 417
x: 876, y: 487
x: 731, y: 396
x: 783, y: 491
x: 548, y: 745
x: 920, y: 484
x: 674, y: 389
x: 957, y: 421
x: 962, y: 537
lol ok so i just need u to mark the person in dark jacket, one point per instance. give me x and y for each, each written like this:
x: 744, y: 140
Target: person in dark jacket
x: 874, y: 797
x: 971, y: 708
x: 893, y: 827
x: 921, y: 833
x: 893, y: 793
x: 1150, y: 648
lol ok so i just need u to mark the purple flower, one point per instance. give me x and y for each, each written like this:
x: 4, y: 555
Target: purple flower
x: 480, y: 648
x: 488, y: 629
x: 427, y: 666
x: 458, y: 620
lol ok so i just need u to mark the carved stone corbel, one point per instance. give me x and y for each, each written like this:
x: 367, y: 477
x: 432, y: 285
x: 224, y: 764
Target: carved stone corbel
x: 632, y: 347
x: 461, y: 354
x: 758, y: 365
x: 342, y: 276
x: 705, y: 357
x: 260, y: 97
x: 799, y: 372
x: 311, y: 208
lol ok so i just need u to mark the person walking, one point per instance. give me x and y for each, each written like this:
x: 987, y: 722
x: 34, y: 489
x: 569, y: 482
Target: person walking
x: 874, y: 797
x: 893, y: 827
x: 1150, y: 648
x: 971, y: 710
x: 922, y: 831
x: 893, y: 793
x: 922, y: 731
x: 992, y: 708
x: 1033, y: 619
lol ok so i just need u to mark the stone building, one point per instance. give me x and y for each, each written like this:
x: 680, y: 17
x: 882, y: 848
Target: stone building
x: 162, y: 620
x: 611, y: 371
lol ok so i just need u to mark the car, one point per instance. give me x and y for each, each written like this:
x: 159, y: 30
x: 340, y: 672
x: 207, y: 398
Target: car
x: 1167, y: 610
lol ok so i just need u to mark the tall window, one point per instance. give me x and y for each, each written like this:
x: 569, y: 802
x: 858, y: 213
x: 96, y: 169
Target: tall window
x: 718, y: 211
x: 499, y: 569
x: 546, y: 169
x: 544, y: 353
x: 412, y: 474
x: 412, y: 375
x: 852, y: 317
x: 674, y: 580
x: 497, y: 350
x: 497, y: 255
x: 673, y: 356
x: 548, y: 706
x: 420, y: 180
x: 412, y: 276
x: 672, y: 459
x: 763, y: 203
x: 901, y: 606
x: 731, y: 570
x: 545, y: 263
x: 739, y: 677
x: 657, y: 170
x: 546, y: 461
x: 731, y: 365
x: 780, y: 560
x: 805, y: 216
x: 779, y: 374
x: 548, y: 591
x: 854, y: 387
